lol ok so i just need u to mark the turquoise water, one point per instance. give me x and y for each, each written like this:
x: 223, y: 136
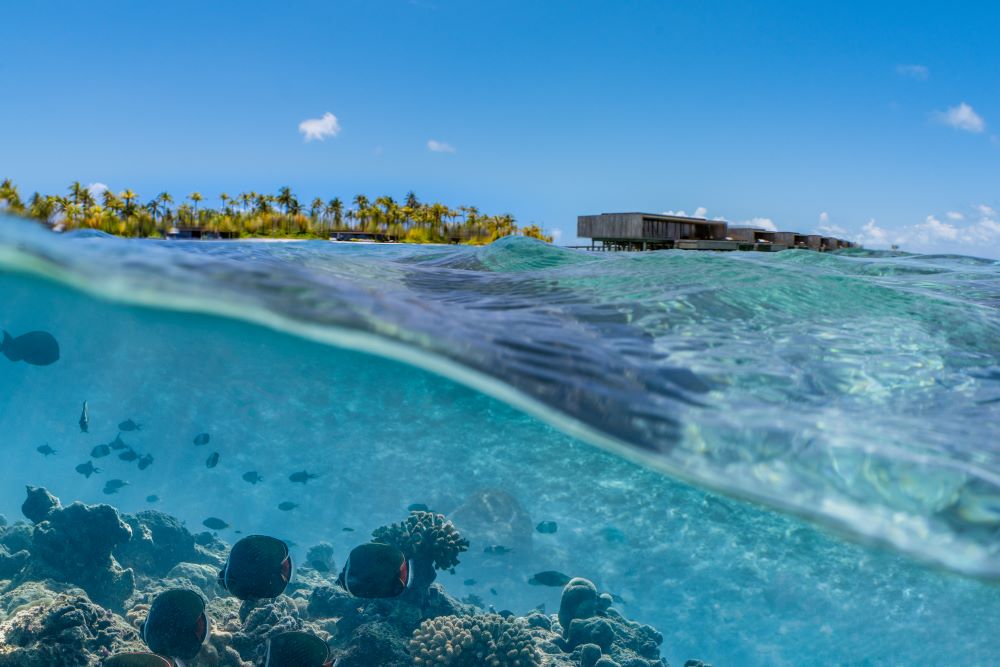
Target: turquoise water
x: 785, y: 459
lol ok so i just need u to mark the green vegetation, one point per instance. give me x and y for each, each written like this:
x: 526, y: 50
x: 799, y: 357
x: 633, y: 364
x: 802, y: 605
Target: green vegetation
x: 252, y: 214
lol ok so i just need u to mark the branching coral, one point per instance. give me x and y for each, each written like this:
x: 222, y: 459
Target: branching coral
x: 425, y: 536
x: 467, y: 641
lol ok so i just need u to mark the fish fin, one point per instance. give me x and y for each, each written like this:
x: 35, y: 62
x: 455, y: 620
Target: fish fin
x: 7, y: 338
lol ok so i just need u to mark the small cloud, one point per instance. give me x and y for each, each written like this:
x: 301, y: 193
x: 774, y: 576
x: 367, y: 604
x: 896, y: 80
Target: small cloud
x: 700, y: 212
x: 918, y: 72
x: 962, y: 117
x: 954, y: 215
x: 556, y: 234
x: 762, y: 223
x: 824, y: 217
x: 986, y: 211
x: 833, y: 230
x: 435, y: 146
x: 97, y: 189
x: 934, y: 229
x: 320, y: 128
x: 679, y: 214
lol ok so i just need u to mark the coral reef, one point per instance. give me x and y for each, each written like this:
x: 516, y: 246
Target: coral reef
x: 320, y: 558
x: 468, y: 641
x: 429, y: 541
x: 74, y: 544
x: 65, y: 630
x: 158, y: 543
x: 39, y: 504
x: 71, y: 603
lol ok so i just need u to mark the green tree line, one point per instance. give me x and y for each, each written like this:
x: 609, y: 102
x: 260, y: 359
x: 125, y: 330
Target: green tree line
x: 255, y: 214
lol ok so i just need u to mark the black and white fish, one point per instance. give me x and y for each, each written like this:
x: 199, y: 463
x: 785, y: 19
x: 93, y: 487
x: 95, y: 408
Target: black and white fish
x: 176, y: 624
x: 38, y: 348
x: 258, y: 568
x: 375, y: 570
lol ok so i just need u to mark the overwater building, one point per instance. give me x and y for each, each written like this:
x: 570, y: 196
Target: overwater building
x: 654, y: 231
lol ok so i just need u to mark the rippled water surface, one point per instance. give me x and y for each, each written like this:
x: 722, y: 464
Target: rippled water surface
x: 688, y: 419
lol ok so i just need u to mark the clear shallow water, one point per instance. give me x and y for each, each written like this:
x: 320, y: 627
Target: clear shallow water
x: 856, y: 390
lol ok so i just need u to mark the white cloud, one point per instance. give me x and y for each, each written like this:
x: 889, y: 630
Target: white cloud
x: 439, y: 147
x: 556, y: 234
x: 97, y: 189
x: 872, y: 234
x: 320, y: 128
x: 824, y: 218
x: 954, y: 215
x: 918, y: 72
x: 700, y: 212
x: 833, y: 230
x: 761, y: 223
x: 680, y: 214
x: 986, y: 211
x: 962, y: 117
x: 934, y: 229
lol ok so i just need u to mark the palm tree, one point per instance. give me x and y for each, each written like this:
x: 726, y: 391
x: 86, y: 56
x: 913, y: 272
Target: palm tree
x: 76, y: 190
x: 225, y: 199
x: 286, y: 199
x: 128, y: 196
x: 195, y: 197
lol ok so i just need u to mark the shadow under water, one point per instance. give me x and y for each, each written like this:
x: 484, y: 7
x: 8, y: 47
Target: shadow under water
x: 721, y: 579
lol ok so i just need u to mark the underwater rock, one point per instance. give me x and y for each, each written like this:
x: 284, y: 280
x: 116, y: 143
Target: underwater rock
x: 375, y: 643
x: 320, y: 557
x: 64, y: 630
x: 158, y: 543
x: 492, y: 516
x: 39, y: 504
x: 579, y: 600
x: 623, y: 641
x: 74, y: 545
x: 467, y: 641
x: 428, y: 540
x: 17, y: 537
x: 12, y: 563
x: 262, y: 619
x: 203, y: 577
x: 331, y: 601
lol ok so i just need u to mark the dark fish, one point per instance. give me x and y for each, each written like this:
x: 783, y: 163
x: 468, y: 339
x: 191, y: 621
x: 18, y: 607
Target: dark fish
x: 129, y: 425
x: 547, y: 527
x: 549, y: 578
x: 129, y: 455
x: 176, y: 624
x: 202, y: 439
x: 84, y: 419
x: 213, y: 460
x: 345, y: 529
x: 45, y: 450
x: 297, y: 649
x: 301, y: 477
x: 214, y: 523
x: 493, y: 591
x: 287, y: 506
x: 145, y: 461
x: 152, y: 499
x: 137, y: 660
x: 375, y: 570
x: 117, y: 443
x: 114, y: 485
x: 418, y: 507
x: 259, y: 567
x: 469, y: 582
x: 87, y: 469
x: 497, y: 550
x: 100, y: 451
x: 37, y: 348
x: 252, y: 477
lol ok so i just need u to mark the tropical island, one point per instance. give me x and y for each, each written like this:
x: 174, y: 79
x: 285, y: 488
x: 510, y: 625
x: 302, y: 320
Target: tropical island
x: 259, y: 215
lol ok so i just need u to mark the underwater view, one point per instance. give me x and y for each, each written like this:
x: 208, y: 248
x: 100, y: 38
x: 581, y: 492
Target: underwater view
x: 515, y: 454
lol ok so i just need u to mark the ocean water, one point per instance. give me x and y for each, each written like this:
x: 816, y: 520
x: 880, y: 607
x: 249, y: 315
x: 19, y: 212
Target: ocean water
x: 774, y: 459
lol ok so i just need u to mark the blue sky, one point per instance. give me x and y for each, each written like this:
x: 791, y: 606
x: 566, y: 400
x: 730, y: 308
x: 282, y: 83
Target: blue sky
x: 879, y: 123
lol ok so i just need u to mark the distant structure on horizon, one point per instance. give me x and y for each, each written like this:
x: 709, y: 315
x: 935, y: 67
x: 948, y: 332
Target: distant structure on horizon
x: 654, y: 231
